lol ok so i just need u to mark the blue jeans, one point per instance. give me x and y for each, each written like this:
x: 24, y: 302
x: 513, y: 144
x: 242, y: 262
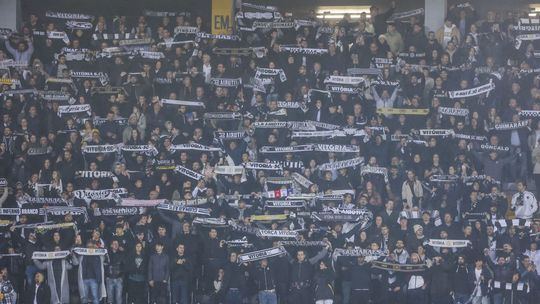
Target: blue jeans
x: 91, y: 289
x: 416, y: 296
x: 30, y: 273
x: 233, y: 296
x: 346, y: 287
x: 115, y: 287
x: 267, y: 297
x: 461, y: 298
x: 180, y: 292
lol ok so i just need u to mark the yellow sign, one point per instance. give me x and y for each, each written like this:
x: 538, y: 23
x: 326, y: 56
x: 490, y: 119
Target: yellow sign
x: 222, y: 17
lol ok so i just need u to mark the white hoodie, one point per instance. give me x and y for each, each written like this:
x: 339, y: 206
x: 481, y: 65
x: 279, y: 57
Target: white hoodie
x: 527, y: 208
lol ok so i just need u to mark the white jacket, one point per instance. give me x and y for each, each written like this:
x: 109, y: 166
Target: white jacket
x: 526, y: 208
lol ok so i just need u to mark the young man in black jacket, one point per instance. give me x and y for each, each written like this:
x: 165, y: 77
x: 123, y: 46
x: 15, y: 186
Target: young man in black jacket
x: 263, y: 274
x: 181, y: 276
x: 360, y: 281
x: 115, y: 274
x: 302, y: 274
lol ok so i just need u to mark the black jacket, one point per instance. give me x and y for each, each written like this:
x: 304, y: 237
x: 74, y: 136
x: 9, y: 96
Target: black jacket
x: 323, y: 283
x: 360, y: 276
x: 43, y: 295
x: 183, y: 271
x: 264, y: 277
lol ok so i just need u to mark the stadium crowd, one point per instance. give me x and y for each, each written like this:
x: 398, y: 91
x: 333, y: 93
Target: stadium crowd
x: 145, y: 160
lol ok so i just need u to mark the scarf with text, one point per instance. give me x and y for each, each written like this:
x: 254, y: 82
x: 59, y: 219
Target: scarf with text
x: 189, y: 173
x: 472, y: 92
x: 184, y: 209
x: 453, y: 111
x: 118, y: 211
x: 304, y: 51
x: 341, y: 164
x: 398, y: 267
x: 261, y: 254
x: 49, y: 255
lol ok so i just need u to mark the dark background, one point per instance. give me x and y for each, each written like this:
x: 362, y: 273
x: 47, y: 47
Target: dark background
x: 203, y: 7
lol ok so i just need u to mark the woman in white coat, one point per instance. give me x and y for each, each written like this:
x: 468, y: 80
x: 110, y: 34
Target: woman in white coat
x: 411, y: 191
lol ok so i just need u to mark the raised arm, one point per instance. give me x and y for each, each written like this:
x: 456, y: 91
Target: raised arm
x: 319, y: 256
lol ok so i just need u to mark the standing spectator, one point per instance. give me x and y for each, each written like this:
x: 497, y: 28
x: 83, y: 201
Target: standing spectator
x: 523, y: 202
x: 158, y: 275
x: 39, y: 292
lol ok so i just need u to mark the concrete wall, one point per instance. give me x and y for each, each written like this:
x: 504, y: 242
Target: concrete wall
x: 435, y: 14
x: 10, y: 16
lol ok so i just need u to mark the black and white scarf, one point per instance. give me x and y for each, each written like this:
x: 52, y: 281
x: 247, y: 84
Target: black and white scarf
x: 194, y: 147
x: 285, y: 234
x: 342, y: 89
x: 149, y: 13
x: 119, y: 211
x: 97, y: 195
x: 77, y: 108
x: 266, y: 8
x: 529, y: 113
x: 286, y: 149
x: 189, y: 173
x: 94, y: 174
x: 78, y: 25
x: 407, y: 14
x: 261, y: 254
x: 345, y: 80
x: 49, y: 255
x: 453, y: 111
x: 202, y: 35
x: 147, y: 149
x: 263, y: 166
x: 43, y: 200
x: 511, y: 125
x: 302, y: 243
x: 39, y: 151
x: 436, y: 132
x: 229, y: 170
x: 226, y: 82
x: 210, y: 221
x: 260, y: 52
x: 117, y: 36
x: 470, y: 137
x: 334, y: 217
x: 273, y: 25
x: 375, y: 170
x: 59, y: 15
x: 93, y: 149
x: 488, y: 147
x: 398, y: 267
x: 271, y: 72
x: 364, y: 71
x: 302, y: 180
x: 90, y: 251
x: 183, y: 103
x: 284, y: 203
x: 472, y: 92
x: 341, y: 164
x: 448, y: 243
x: 227, y: 135
x: 304, y: 51
x: 184, y: 209
x: 103, y: 78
